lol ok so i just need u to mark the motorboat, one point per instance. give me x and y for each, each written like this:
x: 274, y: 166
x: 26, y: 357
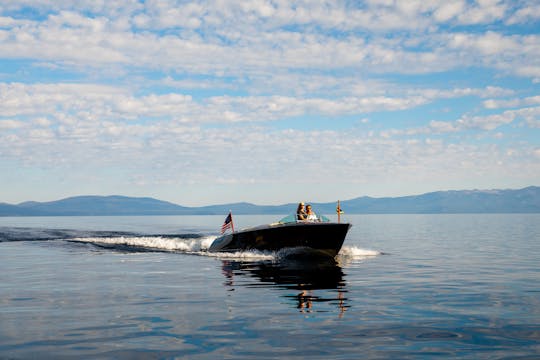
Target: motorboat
x: 319, y: 237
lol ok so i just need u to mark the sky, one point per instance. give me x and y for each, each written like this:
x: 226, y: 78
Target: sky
x: 268, y: 102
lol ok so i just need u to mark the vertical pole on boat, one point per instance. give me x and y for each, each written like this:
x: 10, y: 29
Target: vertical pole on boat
x: 232, y: 222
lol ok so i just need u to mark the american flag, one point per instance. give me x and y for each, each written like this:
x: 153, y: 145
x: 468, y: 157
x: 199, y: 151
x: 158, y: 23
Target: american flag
x: 228, y: 224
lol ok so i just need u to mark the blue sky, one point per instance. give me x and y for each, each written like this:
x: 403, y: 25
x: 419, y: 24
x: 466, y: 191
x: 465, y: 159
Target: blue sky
x: 268, y: 102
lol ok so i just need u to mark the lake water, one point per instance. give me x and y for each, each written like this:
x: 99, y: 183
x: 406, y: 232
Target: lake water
x: 403, y: 287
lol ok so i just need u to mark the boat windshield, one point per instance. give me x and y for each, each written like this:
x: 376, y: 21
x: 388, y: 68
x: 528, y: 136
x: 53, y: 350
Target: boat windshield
x: 292, y: 219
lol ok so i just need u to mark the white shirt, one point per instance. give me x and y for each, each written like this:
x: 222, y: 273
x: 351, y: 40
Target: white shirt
x: 312, y: 217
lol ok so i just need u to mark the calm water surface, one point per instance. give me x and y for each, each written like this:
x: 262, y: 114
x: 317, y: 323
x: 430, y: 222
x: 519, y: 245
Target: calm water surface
x: 403, y: 287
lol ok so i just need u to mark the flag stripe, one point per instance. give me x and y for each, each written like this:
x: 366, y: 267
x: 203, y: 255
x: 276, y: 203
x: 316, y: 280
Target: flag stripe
x: 227, y: 224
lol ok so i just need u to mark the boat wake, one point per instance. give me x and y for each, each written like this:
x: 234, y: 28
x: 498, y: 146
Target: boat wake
x: 354, y: 252
x: 151, y: 243
x: 196, y: 245
x: 188, y: 243
x: 199, y: 245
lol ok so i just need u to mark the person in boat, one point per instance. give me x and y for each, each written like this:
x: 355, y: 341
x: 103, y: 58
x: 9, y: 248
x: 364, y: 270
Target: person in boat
x: 311, y: 216
x: 301, y: 212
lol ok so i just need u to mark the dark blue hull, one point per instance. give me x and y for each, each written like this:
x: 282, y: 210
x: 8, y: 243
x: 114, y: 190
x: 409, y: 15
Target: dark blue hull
x: 318, y: 237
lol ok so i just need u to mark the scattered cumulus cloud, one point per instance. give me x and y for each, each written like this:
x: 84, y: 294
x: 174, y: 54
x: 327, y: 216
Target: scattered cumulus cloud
x: 227, y: 37
x: 244, y: 93
x: 506, y: 103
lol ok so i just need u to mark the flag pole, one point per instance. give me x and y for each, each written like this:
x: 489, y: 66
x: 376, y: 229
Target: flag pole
x: 232, y: 222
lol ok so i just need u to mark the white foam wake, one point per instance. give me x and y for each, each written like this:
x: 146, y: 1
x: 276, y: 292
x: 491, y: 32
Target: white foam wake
x: 357, y: 253
x: 197, y: 246
x: 243, y: 255
x: 153, y: 242
x: 200, y: 245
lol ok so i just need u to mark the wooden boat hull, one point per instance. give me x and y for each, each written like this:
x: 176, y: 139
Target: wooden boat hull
x: 318, y: 237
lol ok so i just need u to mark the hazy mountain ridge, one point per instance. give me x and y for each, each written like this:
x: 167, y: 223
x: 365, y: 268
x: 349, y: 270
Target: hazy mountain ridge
x: 526, y: 200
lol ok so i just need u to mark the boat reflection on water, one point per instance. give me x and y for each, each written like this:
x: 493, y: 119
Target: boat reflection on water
x: 313, y: 282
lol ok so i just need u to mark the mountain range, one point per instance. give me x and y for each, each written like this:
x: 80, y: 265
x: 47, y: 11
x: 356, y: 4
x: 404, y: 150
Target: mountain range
x: 526, y: 200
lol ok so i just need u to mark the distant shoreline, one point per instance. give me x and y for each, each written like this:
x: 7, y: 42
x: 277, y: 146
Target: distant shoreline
x: 526, y: 200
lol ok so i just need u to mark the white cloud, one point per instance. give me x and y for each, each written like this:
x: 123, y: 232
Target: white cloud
x: 488, y: 122
x: 11, y: 124
x: 247, y: 156
x: 70, y: 104
x: 530, y: 71
x: 484, y: 11
x: 530, y: 12
x: 443, y: 127
x: 42, y: 122
x: 262, y: 82
x: 244, y: 47
x: 531, y: 115
x: 38, y: 99
x: 514, y: 54
x: 449, y: 10
x: 502, y: 103
x: 487, y: 44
